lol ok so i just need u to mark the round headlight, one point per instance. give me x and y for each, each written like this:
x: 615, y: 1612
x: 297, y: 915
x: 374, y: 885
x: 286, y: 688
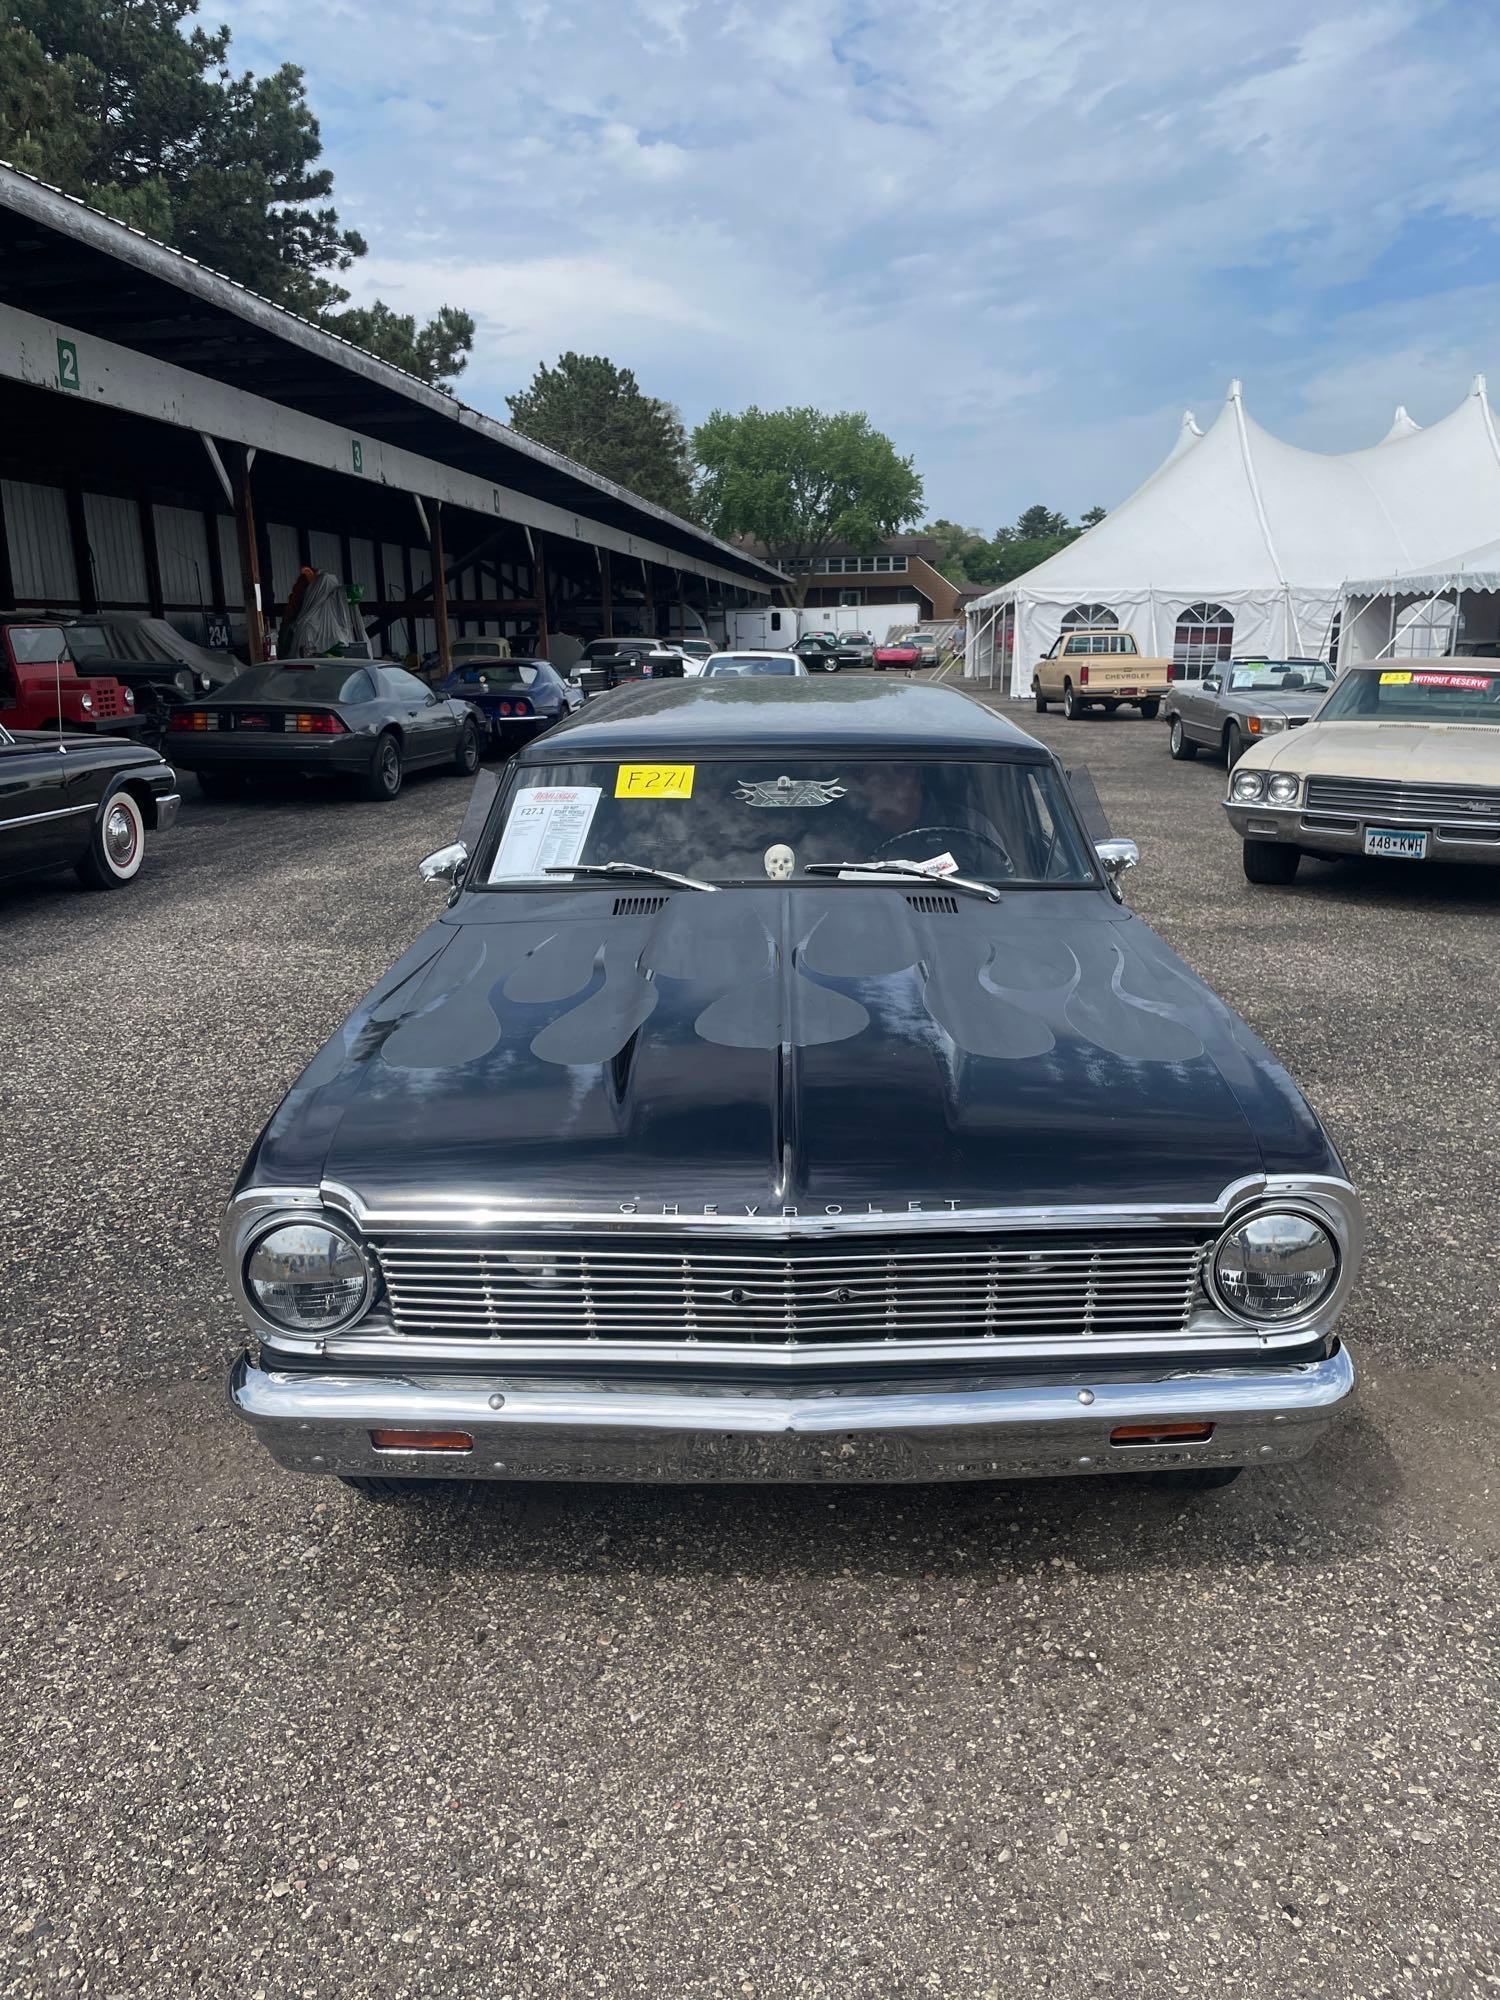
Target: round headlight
x: 1274, y: 1266
x: 1282, y: 789
x: 307, y: 1277
x: 182, y: 680
x: 1249, y: 785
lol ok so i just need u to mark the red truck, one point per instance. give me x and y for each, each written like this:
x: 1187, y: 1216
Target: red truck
x: 41, y: 688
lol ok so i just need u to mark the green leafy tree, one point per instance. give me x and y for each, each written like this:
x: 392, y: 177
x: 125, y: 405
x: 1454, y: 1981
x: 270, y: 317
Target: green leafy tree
x: 964, y: 556
x: 1040, y: 523
x: 133, y: 107
x: 593, y: 411
x: 434, y: 352
x: 799, y: 480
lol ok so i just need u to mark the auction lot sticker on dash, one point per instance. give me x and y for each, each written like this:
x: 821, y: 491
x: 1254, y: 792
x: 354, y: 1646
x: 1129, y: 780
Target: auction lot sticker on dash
x: 547, y: 828
x: 654, y: 781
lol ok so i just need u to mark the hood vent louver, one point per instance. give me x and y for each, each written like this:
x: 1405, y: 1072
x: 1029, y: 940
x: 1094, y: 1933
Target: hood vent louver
x: 640, y: 906
x: 934, y: 905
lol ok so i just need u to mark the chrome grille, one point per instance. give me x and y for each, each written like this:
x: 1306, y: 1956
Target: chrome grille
x: 752, y: 1294
x: 1390, y: 798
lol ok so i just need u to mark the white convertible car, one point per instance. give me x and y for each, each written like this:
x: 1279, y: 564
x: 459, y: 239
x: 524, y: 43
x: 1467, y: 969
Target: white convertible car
x: 1402, y: 761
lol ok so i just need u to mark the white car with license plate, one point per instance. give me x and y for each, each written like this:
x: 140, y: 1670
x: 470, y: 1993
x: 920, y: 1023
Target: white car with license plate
x: 1402, y: 762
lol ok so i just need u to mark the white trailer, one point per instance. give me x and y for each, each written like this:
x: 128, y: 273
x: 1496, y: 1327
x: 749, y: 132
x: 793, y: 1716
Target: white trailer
x: 780, y: 626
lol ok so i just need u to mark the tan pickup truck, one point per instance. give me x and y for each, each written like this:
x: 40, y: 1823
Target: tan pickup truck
x: 1085, y: 670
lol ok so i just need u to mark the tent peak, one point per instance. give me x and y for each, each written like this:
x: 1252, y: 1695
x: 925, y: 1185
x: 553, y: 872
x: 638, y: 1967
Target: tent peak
x: 1190, y: 424
x: 1480, y: 386
x: 1236, y: 391
x: 1403, y: 425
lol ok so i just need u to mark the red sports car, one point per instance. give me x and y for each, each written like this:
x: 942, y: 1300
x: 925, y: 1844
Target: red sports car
x: 897, y: 653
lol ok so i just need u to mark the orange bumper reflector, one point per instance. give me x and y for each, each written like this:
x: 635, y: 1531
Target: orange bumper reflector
x: 1161, y: 1434
x: 422, y: 1440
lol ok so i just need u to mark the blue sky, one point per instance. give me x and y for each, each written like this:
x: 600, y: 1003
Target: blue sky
x: 1023, y: 237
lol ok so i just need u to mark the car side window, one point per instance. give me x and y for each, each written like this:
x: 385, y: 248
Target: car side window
x: 406, y: 687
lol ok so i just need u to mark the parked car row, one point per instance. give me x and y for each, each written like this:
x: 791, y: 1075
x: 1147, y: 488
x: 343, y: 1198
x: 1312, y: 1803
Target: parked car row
x: 1391, y: 759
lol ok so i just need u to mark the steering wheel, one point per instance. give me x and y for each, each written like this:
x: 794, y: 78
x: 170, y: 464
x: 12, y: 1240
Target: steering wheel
x: 989, y: 840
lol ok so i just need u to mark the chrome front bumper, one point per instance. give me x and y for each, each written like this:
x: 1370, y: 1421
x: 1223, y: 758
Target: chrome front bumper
x: 1335, y: 833
x: 708, y: 1432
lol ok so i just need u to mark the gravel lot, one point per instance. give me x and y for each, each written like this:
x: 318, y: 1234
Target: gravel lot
x: 1085, y: 1738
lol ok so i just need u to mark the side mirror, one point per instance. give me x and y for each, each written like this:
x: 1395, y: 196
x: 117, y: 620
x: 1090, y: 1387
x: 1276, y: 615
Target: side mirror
x: 447, y: 865
x: 1117, y: 858
x: 1212, y: 684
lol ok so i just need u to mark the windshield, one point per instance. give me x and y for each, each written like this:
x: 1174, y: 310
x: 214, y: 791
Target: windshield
x: 751, y: 663
x: 495, y: 677
x: 747, y: 820
x: 1281, y: 677
x: 1415, y: 694
x: 331, y: 683
x: 35, y: 643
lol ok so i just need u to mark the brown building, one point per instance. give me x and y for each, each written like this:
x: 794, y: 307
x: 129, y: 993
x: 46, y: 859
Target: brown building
x: 902, y: 570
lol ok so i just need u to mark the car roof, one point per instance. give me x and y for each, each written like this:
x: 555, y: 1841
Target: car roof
x: 775, y: 713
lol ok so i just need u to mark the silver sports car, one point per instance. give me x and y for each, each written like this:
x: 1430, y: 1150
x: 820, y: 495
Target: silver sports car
x: 1241, y: 702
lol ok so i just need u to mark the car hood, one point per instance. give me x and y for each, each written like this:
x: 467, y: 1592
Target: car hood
x: 824, y: 1050
x: 1448, y: 753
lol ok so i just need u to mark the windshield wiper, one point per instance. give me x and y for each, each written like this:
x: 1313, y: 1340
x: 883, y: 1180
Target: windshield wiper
x: 638, y: 868
x: 913, y: 868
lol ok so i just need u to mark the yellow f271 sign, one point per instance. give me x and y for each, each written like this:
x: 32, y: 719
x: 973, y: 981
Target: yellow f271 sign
x: 654, y: 781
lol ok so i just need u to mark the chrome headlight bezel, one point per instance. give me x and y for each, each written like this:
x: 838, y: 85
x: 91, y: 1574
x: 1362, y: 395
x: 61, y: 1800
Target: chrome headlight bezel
x: 1310, y: 1312
x: 1247, y: 788
x: 1283, y: 788
x: 339, y: 1233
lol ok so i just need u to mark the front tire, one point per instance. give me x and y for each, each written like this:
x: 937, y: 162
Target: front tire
x: 117, y: 844
x: 383, y: 781
x: 1270, y: 861
x: 1038, y: 697
x: 373, y: 1487
x: 1234, y: 745
x: 1177, y: 742
x: 466, y: 753
x: 1200, y: 1478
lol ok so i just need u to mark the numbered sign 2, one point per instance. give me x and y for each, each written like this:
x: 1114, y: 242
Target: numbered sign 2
x: 67, y: 365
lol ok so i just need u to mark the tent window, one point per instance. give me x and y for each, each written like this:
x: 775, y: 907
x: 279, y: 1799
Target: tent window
x: 1425, y: 630
x: 1204, y: 636
x: 1099, y: 616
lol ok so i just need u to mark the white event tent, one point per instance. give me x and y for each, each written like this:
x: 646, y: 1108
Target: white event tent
x: 1239, y: 543
x: 1417, y: 613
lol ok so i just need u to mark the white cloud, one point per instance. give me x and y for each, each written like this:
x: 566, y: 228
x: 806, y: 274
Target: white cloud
x: 1020, y: 236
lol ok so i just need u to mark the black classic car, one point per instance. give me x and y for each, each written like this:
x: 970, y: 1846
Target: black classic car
x: 818, y: 653
x: 787, y: 1093
x: 80, y: 802
x: 366, y: 720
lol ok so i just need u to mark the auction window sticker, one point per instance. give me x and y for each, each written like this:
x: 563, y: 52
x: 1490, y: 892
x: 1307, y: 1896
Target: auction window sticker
x: 547, y: 828
x: 1465, y: 683
x: 654, y: 781
x: 1460, y: 683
